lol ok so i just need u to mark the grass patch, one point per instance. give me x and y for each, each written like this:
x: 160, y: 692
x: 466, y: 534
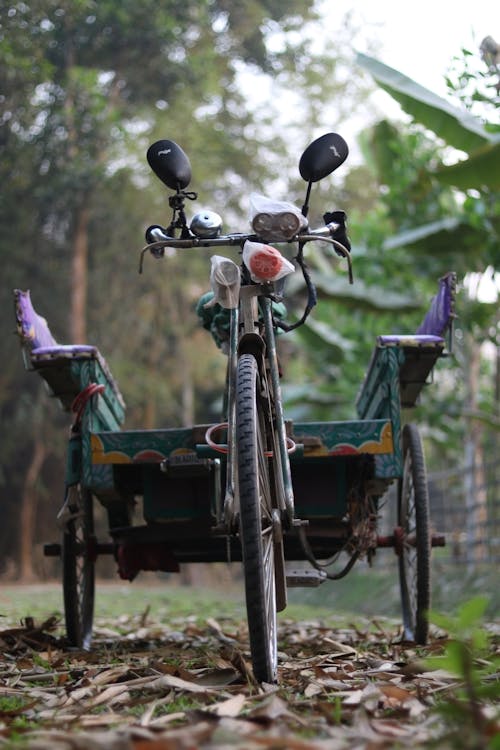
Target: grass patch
x: 166, y: 603
x: 374, y: 592
x: 367, y: 592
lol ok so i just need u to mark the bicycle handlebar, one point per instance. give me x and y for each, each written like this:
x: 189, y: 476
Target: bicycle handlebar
x: 162, y: 240
x: 157, y: 234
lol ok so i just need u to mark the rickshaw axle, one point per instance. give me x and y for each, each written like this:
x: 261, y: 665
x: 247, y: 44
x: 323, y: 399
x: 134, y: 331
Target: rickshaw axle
x: 99, y: 548
x: 398, y: 539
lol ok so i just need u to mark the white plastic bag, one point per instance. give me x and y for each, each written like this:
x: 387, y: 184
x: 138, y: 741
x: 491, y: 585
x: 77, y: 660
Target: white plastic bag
x: 264, y: 262
x: 275, y: 220
x: 225, y: 282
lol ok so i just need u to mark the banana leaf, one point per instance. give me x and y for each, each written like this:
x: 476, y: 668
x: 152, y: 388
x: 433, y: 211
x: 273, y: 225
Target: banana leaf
x: 363, y: 296
x: 456, y: 126
x: 442, y: 236
x: 481, y: 169
x: 329, y: 336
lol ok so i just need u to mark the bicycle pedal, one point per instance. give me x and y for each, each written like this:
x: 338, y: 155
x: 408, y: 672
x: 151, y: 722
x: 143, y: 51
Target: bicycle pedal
x: 304, y: 577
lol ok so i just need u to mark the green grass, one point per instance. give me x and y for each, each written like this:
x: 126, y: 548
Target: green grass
x: 11, y: 703
x: 374, y: 592
x: 363, y: 592
x: 165, y: 602
x: 115, y: 599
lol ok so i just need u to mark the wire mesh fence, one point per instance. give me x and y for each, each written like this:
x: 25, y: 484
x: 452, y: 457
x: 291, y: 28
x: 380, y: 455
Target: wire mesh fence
x: 465, y: 506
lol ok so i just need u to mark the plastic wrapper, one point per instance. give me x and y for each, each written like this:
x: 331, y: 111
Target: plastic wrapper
x: 264, y: 262
x: 225, y: 282
x: 275, y: 220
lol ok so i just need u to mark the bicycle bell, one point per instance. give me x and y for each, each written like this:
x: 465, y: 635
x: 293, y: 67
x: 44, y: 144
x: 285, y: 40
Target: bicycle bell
x: 206, y: 224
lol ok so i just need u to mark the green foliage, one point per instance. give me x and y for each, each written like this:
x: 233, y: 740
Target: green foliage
x: 475, y: 81
x: 467, y: 626
x: 469, y: 655
x: 480, y: 170
x: 11, y: 703
x: 454, y: 125
x: 403, y: 162
x: 445, y: 216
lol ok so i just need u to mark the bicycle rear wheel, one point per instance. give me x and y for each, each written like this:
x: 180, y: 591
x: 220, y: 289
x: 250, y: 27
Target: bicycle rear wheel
x: 78, y: 562
x: 415, y: 553
x: 256, y: 521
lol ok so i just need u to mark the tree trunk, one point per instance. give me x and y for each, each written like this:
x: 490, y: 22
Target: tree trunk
x: 79, y: 277
x: 28, y: 510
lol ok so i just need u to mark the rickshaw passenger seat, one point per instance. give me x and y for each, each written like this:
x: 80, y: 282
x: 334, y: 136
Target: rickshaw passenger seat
x: 53, y: 361
x: 416, y: 354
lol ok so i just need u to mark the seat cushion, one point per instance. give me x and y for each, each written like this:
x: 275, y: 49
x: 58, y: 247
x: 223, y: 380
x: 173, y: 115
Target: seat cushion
x: 67, y: 351
x: 412, y: 339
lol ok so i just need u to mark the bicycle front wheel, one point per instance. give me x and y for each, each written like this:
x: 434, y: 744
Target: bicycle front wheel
x: 256, y: 521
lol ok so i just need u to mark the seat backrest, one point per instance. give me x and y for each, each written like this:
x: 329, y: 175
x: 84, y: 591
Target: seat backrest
x: 441, y: 313
x: 32, y: 329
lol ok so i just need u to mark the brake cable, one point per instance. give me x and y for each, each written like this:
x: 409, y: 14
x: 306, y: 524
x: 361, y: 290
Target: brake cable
x: 312, y: 297
x: 308, y: 554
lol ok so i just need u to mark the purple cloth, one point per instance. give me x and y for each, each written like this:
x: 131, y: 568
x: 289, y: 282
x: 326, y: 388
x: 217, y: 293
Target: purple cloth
x: 32, y: 328
x: 433, y: 327
x: 36, y: 336
x: 440, y: 312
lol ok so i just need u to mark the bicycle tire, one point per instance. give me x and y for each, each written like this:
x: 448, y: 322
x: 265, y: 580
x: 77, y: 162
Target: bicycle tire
x: 256, y: 522
x: 78, y: 564
x: 415, y: 551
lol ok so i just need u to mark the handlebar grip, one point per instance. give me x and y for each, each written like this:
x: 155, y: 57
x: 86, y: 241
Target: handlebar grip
x: 155, y: 233
x: 340, y: 234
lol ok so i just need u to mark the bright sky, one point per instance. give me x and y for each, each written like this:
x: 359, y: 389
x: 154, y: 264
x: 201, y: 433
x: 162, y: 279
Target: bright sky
x: 420, y: 37
x: 417, y: 37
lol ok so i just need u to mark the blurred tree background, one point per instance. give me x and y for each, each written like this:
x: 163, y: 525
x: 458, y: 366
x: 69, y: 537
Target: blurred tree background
x: 88, y: 85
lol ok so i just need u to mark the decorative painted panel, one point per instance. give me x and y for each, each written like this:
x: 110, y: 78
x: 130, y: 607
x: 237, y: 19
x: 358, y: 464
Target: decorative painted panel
x: 344, y: 438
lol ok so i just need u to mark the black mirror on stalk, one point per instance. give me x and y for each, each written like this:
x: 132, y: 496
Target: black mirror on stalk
x: 322, y: 157
x: 169, y: 162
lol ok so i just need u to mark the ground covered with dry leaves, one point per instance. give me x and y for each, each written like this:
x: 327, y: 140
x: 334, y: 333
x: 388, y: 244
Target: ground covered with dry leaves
x: 187, y: 684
